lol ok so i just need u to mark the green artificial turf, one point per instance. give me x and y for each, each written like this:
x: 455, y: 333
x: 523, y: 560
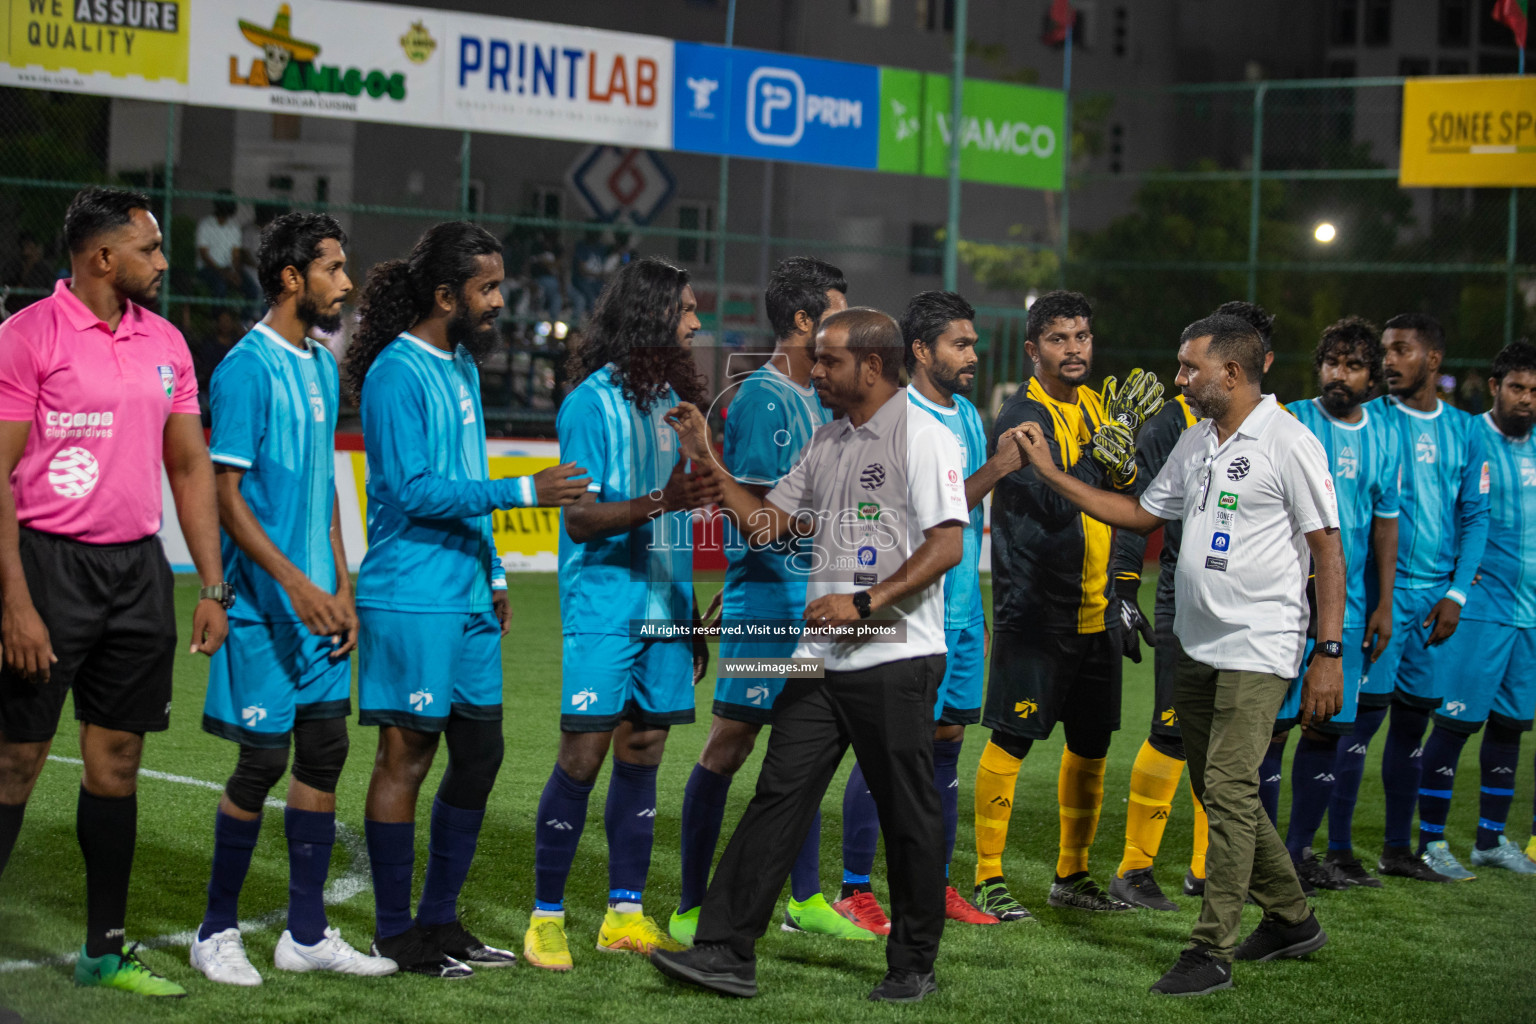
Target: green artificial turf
x: 1406, y: 953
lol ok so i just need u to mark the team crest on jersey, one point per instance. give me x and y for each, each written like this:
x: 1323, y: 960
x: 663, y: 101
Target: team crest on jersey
x: 872, y: 477
x: 466, y: 405
x: 1527, y: 473
x: 1349, y: 463
x: 1237, y: 468
x: 316, y: 403
x: 167, y: 379
x: 1425, y: 450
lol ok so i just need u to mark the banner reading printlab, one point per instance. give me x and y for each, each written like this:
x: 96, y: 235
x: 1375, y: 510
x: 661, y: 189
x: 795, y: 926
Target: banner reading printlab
x: 103, y: 47
x: 1468, y: 132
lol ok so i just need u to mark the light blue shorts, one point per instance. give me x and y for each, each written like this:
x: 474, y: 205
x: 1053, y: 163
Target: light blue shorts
x: 965, y: 664
x: 1496, y: 680
x: 414, y: 669
x: 269, y: 675
x: 1415, y: 673
x: 750, y: 700
x: 607, y: 679
x: 1354, y: 674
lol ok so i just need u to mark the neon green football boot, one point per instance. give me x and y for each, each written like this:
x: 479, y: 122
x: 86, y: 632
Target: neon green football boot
x: 817, y: 917
x: 124, y: 971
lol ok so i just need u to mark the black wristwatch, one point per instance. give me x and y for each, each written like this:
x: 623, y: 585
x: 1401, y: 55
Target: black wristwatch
x: 224, y: 593
x: 1329, y: 649
x: 861, y: 602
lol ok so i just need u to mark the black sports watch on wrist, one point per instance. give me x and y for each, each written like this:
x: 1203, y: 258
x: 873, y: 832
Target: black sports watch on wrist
x: 861, y: 602
x: 224, y: 593
x: 1329, y: 649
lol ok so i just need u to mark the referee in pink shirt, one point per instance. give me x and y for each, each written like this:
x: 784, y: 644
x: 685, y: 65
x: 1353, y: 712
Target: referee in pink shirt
x: 96, y: 392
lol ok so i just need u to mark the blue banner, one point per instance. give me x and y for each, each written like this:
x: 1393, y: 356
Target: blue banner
x: 773, y: 106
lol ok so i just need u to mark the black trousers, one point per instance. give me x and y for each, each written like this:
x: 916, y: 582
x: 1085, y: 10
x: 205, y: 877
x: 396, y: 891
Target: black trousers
x: 886, y: 713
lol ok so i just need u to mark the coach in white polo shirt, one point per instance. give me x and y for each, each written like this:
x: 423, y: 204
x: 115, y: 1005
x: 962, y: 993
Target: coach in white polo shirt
x: 1253, y: 490
x: 883, y: 494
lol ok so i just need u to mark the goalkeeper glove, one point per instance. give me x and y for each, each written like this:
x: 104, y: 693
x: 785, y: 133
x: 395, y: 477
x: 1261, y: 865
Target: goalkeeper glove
x: 1135, y: 401
x: 1132, y: 621
x: 1114, y: 449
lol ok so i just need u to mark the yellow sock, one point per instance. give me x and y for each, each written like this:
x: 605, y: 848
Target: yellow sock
x: 1080, y: 794
x: 1202, y: 837
x: 995, y: 778
x: 1154, y: 780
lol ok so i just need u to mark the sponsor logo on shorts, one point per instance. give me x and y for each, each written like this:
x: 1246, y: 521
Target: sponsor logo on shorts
x: 253, y: 716
x: 583, y: 700
x: 421, y: 700
x: 757, y: 694
x: 1455, y: 707
x: 1168, y: 717
x: 73, y: 473
x: 1212, y: 562
x: 1025, y: 708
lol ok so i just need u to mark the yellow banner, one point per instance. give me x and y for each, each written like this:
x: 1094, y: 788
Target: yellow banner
x: 143, y: 40
x: 1460, y: 132
x: 526, y: 538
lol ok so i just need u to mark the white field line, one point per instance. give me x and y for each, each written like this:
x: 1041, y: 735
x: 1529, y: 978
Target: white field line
x: 354, y: 880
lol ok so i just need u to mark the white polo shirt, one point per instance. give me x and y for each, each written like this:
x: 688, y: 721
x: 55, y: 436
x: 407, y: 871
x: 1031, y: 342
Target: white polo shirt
x: 874, y: 489
x: 1246, y: 506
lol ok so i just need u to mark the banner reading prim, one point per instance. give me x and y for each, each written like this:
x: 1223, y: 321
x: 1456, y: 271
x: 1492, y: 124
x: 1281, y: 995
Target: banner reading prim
x: 132, y: 48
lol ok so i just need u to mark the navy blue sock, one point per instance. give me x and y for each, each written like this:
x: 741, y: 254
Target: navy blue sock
x: 450, y: 851
x: 561, y: 818
x: 1498, y: 760
x: 392, y: 852
x: 1348, y: 770
x: 629, y: 818
x: 311, y: 835
x: 703, y: 812
x: 861, y: 829
x: 805, y: 873
x: 946, y: 779
x: 1312, y: 782
x: 1401, y: 763
x: 1438, y: 775
x: 233, y: 842
x: 1271, y: 772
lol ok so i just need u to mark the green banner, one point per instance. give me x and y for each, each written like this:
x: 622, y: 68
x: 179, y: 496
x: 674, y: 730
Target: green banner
x: 1009, y: 134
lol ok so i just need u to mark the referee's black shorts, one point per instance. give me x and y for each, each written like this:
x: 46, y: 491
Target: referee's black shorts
x: 111, y: 618
x: 1039, y: 679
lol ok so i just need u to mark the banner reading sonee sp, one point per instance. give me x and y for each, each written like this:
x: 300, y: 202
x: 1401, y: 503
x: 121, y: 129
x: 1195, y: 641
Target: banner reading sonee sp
x: 776, y: 107
x: 558, y: 82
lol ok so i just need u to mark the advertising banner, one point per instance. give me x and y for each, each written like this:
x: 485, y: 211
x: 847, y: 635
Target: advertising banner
x: 1461, y: 132
x: 135, y: 48
x: 776, y: 107
x: 323, y: 58
x: 1009, y: 134
x: 557, y: 82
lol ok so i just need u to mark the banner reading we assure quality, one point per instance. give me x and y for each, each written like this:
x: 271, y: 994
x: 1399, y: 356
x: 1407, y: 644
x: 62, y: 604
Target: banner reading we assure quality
x: 104, y: 47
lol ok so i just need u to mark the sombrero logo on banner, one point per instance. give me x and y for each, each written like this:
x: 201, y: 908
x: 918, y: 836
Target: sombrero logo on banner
x: 294, y: 64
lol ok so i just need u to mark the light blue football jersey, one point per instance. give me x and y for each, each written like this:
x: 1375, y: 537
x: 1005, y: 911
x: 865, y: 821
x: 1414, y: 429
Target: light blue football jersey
x: 430, y: 495
x: 274, y: 416
x: 1507, y: 591
x: 1364, y: 459
x: 643, y: 573
x: 962, y: 584
x: 1444, y: 496
x: 767, y: 425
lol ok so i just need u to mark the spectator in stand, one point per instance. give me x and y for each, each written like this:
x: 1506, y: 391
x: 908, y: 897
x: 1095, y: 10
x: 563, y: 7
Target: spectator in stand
x: 220, y: 257
x: 28, y: 269
x: 544, y: 268
x: 589, y: 269
x: 210, y: 349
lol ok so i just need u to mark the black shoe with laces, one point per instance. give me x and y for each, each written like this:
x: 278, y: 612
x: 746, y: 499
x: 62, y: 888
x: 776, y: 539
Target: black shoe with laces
x: 1275, y: 940
x: 904, y: 987
x: 710, y: 965
x: 416, y: 954
x: 1353, y: 871
x: 1320, y: 874
x: 1082, y: 893
x: 1140, y: 889
x: 454, y: 940
x: 1193, y: 886
x: 1197, y: 973
x: 1404, y: 863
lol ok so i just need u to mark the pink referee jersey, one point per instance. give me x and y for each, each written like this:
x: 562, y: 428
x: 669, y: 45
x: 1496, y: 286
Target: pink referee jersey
x: 98, y: 403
